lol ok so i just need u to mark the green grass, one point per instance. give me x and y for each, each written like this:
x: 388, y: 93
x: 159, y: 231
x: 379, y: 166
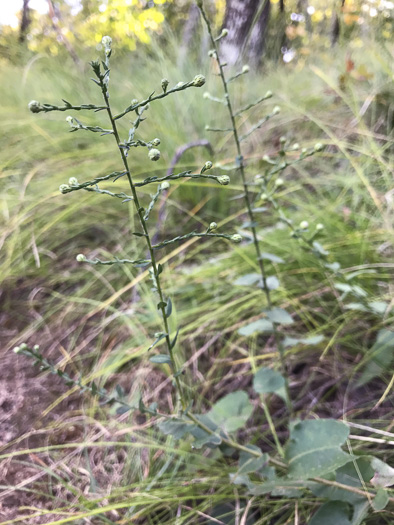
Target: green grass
x: 97, y: 321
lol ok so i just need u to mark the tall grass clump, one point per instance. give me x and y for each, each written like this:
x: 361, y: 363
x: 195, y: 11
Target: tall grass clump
x: 217, y: 467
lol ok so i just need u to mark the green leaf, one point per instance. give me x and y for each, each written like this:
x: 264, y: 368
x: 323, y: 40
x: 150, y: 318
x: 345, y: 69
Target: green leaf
x: 279, y: 316
x: 381, y: 499
x: 161, y: 305
x: 232, y: 411
x: 267, y: 381
x: 173, y: 342
x: 169, y: 307
x: 332, y: 513
x: 271, y: 257
x: 249, y: 463
x: 138, y: 234
x: 248, y: 279
x: 314, y: 448
x: 272, y: 282
x: 174, y: 427
x: 262, y: 325
x: 201, y: 437
x: 380, y: 357
x: 292, y: 341
x: 159, y: 269
x: 384, y: 474
x: 160, y: 359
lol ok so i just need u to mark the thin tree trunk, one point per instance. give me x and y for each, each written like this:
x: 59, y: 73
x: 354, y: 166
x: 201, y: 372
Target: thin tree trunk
x: 246, y: 22
x: 54, y: 19
x: 25, y: 21
x: 336, y: 26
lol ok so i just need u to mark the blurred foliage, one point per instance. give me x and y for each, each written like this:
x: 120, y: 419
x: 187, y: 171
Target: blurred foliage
x: 301, y: 29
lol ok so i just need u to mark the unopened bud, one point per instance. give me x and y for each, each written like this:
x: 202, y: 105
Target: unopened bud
x: 134, y: 102
x: 155, y: 142
x: 73, y: 181
x: 207, y: 166
x: 276, y: 110
x: 319, y: 226
x: 70, y: 120
x: 263, y: 197
x: 154, y: 154
x: 304, y: 225
x: 180, y: 84
x: 63, y: 188
x: 213, y: 226
x: 282, y: 140
x: 224, y: 32
x: 296, y: 146
x: 268, y: 94
x: 106, y: 41
x: 198, y: 81
x: 318, y: 147
x: 245, y: 69
x: 266, y: 158
x: 279, y: 182
x: 80, y: 257
x: 164, y: 84
x: 165, y: 185
x: 223, y: 180
x: 17, y: 349
x: 236, y: 238
x: 34, y: 106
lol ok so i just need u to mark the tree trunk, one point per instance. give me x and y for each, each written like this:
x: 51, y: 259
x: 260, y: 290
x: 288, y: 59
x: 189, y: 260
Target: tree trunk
x: 246, y: 22
x: 25, y: 21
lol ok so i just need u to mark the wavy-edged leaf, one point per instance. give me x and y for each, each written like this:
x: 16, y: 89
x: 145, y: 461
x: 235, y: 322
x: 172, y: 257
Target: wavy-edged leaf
x: 261, y: 325
x: 232, y: 411
x: 279, y: 316
x: 267, y: 381
x: 332, y: 513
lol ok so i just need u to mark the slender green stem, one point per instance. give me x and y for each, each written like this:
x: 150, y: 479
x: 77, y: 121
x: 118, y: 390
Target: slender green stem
x: 140, y: 212
x: 241, y: 168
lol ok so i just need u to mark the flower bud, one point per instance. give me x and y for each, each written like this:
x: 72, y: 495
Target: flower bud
x: 263, y: 197
x: 23, y: 346
x: 80, y: 257
x: 245, y: 68
x: 36, y: 348
x: 16, y: 350
x: 304, y: 150
x: 236, y: 238
x: 223, y: 180
x: 63, y: 188
x: 266, y: 158
x: 318, y: 147
x: 276, y: 110
x: 212, y: 53
x: 198, y: 81
x: 279, y: 182
x: 165, y: 185
x: 73, y: 181
x: 180, y: 84
x: 154, y: 154
x: 206, y: 95
x: 304, y: 225
x: 268, y: 94
x: 319, y: 226
x: 34, y: 106
x: 164, y: 84
x: 70, y: 120
x: 155, y: 142
x: 207, y: 166
x: 282, y: 140
x: 224, y: 32
x: 134, y: 102
x: 296, y: 146
x: 106, y: 41
x: 212, y: 226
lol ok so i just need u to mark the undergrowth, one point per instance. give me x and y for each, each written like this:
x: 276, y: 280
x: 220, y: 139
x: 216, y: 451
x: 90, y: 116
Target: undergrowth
x: 97, y: 460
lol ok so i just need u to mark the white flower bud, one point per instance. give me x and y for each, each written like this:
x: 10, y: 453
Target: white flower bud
x: 80, y: 257
x: 155, y: 142
x: 245, y: 69
x: 206, y: 95
x: 154, y: 154
x: 296, y: 146
x: 282, y: 140
x: 70, y: 120
x: 165, y: 185
x: 63, y: 188
x: 73, y: 181
x: 276, y: 110
x: 319, y: 226
x: 279, y: 182
x: 211, y: 53
x: 212, y: 226
x: 263, y: 197
x: 34, y: 106
x: 236, y: 238
x: 223, y: 180
x: 134, y: 102
x: 180, y: 84
x: 23, y: 346
x: 304, y: 150
x: 268, y: 94
x: 36, y: 348
x: 17, y: 349
x: 304, y: 225
x: 266, y: 158
x: 318, y: 147
x: 106, y: 41
x: 208, y: 165
x: 224, y: 32
x: 199, y: 80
